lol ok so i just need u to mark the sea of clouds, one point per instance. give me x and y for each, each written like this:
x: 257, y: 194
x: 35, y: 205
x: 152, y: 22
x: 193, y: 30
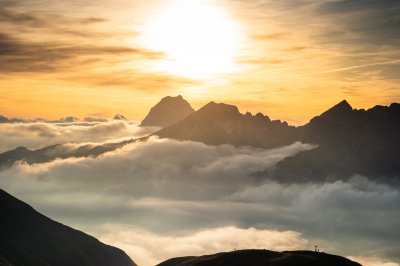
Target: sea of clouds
x: 37, y: 134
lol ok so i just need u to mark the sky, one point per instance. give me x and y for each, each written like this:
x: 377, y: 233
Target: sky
x: 288, y: 59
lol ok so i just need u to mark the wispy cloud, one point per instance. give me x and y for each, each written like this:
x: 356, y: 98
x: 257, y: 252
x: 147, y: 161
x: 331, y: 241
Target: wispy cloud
x: 393, y: 62
x: 24, y: 56
x: 273, y: 36
x: 370, y: 22
x: 11, y: 16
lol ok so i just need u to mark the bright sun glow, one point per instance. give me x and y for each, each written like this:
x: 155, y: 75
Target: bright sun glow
x: 197, y: 36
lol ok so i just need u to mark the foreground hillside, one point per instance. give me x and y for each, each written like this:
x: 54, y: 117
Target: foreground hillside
x: 262, y: 258
x: 28, y: 238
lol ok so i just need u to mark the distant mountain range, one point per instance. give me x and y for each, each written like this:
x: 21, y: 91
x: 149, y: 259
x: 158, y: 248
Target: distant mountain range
x: 28, y: 238
x: 262, y: 258
x: 53, y: 152
x: 350, y: 141
x: 68, y: 119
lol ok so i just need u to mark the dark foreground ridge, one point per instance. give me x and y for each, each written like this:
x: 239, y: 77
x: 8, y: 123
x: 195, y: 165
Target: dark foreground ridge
x: 28, y: 238
x: 262, y: 258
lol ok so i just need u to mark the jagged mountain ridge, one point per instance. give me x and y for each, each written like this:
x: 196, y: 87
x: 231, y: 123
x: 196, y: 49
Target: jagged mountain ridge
x: 262, y: 258
x: 30, y: 238
x: 351, y: 142
x: 219, y: 123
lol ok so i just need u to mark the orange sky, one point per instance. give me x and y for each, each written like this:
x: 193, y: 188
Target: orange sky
x: 288, y: 60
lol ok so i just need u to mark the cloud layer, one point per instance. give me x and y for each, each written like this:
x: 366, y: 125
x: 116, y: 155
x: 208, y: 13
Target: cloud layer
x: 165, y: 190
x: 163, y: 168
x: 35, y: 135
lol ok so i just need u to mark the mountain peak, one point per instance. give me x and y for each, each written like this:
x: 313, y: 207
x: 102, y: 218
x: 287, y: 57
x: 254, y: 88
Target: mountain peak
x: 395, y: 106
x: 337, y: 112
x: 167, y: 111
x: 167, y: 98
x: 343, y: 106
x: 119, y: 117
x: 3, y: 119
x: 216, y: 108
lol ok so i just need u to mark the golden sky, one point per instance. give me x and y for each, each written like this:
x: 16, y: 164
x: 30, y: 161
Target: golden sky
x: 288, y: 59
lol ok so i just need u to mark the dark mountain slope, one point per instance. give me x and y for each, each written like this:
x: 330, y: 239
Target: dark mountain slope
x: 168, y: 111
x: 262, y: 258
x: 218, y: 123
x: 364, y: 142
x: 30, y: 238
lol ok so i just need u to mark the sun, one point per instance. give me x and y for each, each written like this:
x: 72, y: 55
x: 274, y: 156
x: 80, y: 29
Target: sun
x: 198, y: 38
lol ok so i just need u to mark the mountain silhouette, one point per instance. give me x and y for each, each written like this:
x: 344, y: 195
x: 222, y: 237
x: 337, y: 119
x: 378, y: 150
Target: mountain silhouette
x: 350, y: 142
x: 4, y: 119
x: 120, y: 117
x: 262, y: 258
x: 219, y: 123
x: 30, y: 238
x: 168, y: 111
